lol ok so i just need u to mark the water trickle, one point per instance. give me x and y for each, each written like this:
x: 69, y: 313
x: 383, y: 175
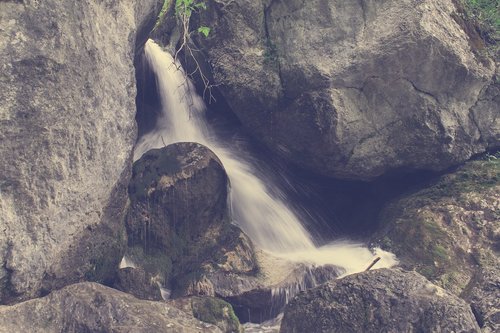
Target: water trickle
x: 257, y: 205
x: 126, y: 262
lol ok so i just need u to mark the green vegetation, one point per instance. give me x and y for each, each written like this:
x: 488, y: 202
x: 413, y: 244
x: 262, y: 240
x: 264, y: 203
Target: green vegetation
x: 163, y: 13
x: 423, y: 230
x: 475, y: 176
x: 185, y: 8
x: 204, y: 31
x: 183, y: 11
x: 214, y: 311
x: 487, y: 14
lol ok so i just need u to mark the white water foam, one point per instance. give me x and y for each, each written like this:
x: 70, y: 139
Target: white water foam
x: 262, y: 214
x: 127, y: 262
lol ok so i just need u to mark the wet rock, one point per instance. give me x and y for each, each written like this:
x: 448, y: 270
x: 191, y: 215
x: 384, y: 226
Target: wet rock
x: 178, y: 223
x: 263, y: 296
x: 67, y: 130
x: 449, y: 232
x: 483, y: 293
x: 265, y: 302
x: 388, y: 300
x: 137, y: 282
x: 91, y: 307
x: 210, y: 310
x: 355, y: 90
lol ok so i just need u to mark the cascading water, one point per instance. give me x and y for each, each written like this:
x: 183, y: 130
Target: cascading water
x: 264, y: 217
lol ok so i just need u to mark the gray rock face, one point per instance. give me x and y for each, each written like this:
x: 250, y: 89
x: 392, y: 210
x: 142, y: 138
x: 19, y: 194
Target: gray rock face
x: 385, y: 300
x: 355, y: 89
x: 91, y: 307
x: 178, y: 223
x: 67, y: 129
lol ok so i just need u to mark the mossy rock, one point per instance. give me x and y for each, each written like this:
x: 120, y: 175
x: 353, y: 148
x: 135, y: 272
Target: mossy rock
x: 211, y: 310
x: 443, y: 229
x: 178, y: 222
x: 214, y: 311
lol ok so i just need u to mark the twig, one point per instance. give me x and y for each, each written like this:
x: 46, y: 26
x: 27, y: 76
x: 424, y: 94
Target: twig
x: 185, y: 46
x: 372, y: 264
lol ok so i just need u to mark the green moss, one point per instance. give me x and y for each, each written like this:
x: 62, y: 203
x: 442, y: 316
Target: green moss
x: 487, y: 14
x: 475, y: 176
x: 411, y: 231
x: 163, y: 13
x: 451, y: 281
x: 438, y: 251
x: 214, y: 311
x: 427, y: 271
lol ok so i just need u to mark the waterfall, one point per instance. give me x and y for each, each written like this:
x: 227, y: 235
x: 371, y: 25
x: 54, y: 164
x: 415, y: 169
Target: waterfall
x: 258, y: 207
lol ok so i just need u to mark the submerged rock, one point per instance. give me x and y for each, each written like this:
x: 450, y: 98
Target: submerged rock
x: 67, y: 130
x: 356, y: 89
x: 178, y: 223
x: 91, y: 307
x: 388, y: 300
x: 450, y: 233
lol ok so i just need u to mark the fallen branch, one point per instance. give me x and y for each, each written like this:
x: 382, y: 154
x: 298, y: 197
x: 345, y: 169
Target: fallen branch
x: 372, y: 264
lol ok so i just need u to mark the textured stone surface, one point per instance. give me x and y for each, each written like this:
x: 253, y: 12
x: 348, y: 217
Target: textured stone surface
x: 91, y: 307
x: 385, y: 300
x: 450, y: 233
x: 67, y: 130
x: 355, y: 89
x: 264, y: 300
x: 136, y: 281
x: 262, y: 296
x: 178, y: 223
x: 483, y: 293
x: 210, y: 310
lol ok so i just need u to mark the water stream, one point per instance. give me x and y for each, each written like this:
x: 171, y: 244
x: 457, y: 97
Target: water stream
x: 258, y: 206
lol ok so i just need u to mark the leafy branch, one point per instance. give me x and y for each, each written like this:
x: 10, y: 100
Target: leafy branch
x: 183, y: 12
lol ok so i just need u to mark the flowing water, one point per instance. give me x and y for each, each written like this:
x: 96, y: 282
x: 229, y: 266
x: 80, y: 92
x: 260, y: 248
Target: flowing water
x: 258, y: 206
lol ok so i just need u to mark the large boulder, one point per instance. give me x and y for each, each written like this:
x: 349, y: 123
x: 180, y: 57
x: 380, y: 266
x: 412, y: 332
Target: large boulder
x: 385, y: 300
x: 355, y: 89
x: 178, y: 223
x: 450, y: 233
x: 67, y: 130
x: 91, y: 307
